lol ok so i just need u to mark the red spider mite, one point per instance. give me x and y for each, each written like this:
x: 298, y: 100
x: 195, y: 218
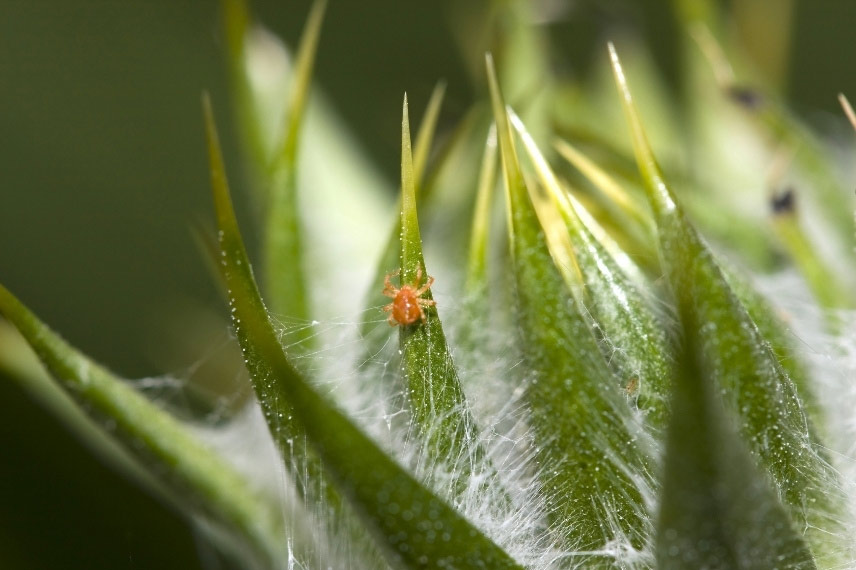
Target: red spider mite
x: 406, y: 307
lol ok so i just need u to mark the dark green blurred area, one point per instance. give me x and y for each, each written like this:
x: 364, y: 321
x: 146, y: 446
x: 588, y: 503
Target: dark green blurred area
x: 102, y: 170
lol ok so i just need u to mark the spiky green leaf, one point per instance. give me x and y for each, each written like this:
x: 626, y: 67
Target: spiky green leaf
x: 753, y: 383
x: 391, y: 255
x: 285, y: 276
x: 586, y: 441
x: 633, y: 337
x: 437, y: 402
x: 415, y: 528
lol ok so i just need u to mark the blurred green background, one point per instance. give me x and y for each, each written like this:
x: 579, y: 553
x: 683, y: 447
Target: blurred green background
x: 102, y: 171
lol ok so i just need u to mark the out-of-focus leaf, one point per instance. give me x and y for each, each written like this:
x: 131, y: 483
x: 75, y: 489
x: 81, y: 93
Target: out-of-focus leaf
x: 285, y: 277
x: 476, y: 284
x: 194, y: 478
x: 330, y: 160
x: 414, y: 527
x: 206, y: 242
x: 821, y: 279
x: 770, y: 121
x: 754, y: 385
x: 521, y: 52
x: 813, y: 162
x: 236, y: 25
x: 425, y: 136
x: 848, y: 109
x: 587, y: 442
x: 623, y: 206
x: 478, y: 346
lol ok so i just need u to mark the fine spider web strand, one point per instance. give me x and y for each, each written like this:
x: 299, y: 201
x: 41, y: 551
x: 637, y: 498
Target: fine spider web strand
x: 381, y: 412
x: 379, y: 409
x: 831, y: 360
x: 192, y: 395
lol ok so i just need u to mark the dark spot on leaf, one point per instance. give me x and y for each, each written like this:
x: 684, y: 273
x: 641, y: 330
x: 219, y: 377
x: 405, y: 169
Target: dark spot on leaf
x: 746, y: 97
x: 783, y: 202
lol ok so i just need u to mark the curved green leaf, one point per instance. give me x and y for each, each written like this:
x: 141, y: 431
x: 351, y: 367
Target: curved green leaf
x: 288, y: 434
x: 586, y: 440
x: 194, y: 477
x: 415, y: 528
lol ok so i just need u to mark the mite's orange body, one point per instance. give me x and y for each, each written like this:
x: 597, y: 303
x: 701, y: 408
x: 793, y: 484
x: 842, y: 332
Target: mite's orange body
x: 407, y: 303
